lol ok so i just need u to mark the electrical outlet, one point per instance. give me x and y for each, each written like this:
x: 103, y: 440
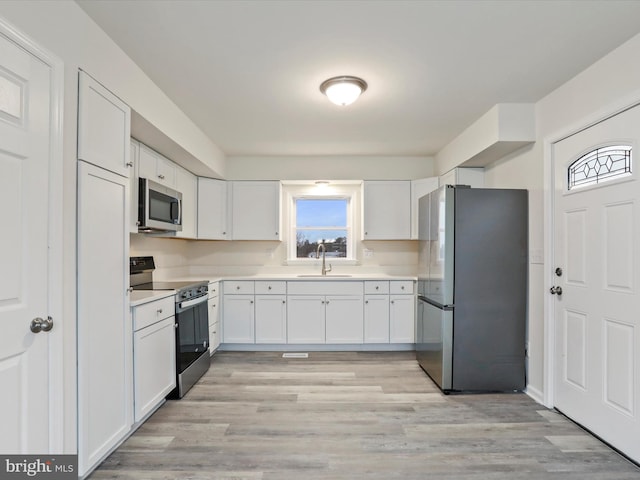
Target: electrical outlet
x: 368, y: 253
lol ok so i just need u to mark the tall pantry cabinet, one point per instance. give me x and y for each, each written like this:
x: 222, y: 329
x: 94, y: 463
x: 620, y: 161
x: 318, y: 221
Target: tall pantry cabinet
x: 105, y: 383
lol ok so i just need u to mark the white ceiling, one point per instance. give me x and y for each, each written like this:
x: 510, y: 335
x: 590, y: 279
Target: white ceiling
x: 248, y: 72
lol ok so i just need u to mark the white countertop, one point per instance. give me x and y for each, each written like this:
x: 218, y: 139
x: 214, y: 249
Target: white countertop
x: 138, y: 297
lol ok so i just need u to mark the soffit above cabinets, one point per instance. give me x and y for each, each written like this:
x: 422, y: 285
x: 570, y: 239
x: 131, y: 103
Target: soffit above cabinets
x: 505, y: 128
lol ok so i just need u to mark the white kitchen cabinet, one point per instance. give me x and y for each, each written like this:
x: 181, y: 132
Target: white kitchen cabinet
x: 474, y: 177
x: 402, y: 318
x: 104, y: 326
x: 255, y: 210
x: 271, y: 319
x: 376, y: 318
x: 134, y: 159
x: 306, y: 319
x: 156, y: 168
x: 386, y: 210
x: 104, y: 127
x: 238, y: 322
x: 154, y: 355
x: 344, y: 319
x: 419, y: 188
x: 212, y: 209
x: 214, y: 316
x: 187, y: 184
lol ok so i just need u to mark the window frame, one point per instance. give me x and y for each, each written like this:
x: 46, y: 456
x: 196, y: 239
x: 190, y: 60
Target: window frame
x: 348, y: 192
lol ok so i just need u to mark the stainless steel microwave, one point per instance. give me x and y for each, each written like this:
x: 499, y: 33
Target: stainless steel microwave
x: 159, y: 207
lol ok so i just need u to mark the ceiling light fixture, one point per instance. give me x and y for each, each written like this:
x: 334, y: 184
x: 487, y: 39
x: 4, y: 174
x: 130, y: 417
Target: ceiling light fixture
x: 343, y: 90
x: 322, y: 184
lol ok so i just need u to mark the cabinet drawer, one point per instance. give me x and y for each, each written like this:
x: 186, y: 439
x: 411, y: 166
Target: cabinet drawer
x: 401, y: 287
x: 240, y: 288
x: 268, y: 288
x: 374, y: 287
x: 214, y: 288
x: 149, y: 313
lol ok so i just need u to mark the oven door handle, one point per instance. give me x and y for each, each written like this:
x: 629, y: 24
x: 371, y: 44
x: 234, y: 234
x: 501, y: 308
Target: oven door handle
x: 192, y: 302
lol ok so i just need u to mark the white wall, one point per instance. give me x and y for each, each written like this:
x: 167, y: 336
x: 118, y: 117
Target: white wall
x: 62, y: 28
x: 329, y: 168
x: 607, y: 85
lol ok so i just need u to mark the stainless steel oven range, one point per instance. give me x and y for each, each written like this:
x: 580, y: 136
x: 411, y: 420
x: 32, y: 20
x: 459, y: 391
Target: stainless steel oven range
x: 192, y: 321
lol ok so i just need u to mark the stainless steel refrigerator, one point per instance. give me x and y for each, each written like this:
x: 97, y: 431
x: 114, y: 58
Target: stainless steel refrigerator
x: 472, y: 288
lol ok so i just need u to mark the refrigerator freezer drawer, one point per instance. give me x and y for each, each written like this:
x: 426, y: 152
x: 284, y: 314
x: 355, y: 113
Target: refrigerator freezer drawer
x: 434, y: 341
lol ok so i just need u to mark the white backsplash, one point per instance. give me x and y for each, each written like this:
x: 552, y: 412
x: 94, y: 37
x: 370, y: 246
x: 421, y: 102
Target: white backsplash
x: 177, y: 258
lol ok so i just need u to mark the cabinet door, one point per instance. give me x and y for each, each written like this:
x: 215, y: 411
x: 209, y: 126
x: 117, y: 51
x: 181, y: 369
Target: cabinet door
x: 238, y: 319
x: 104, y: 326
x: 376, y: 319
x: 157, y: 168
x: 386, y: 210
x: 402, y: 318
x: 255, y: 210
x: 104, y: 127
x: 344, y: 319
x: 305, y: 319
x: 187, y: 184
x: 212, y: 209
x: 154, y: 359
x: 271, y: 319
x: 134, y: 158
x: 214, y: 326
x: 166, y: 172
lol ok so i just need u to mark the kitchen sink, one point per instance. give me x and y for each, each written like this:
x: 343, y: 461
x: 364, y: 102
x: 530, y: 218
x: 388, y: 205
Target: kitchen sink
x: 318, y: 275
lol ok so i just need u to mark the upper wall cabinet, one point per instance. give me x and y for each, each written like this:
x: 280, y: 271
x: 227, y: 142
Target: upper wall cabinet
x: 386, y: 209
x: 212, y: 209
x: 255, y: 210
x: 474, y: 177
x: 156, y: 168
x: 133, y: 185
x: 187, y: 184
x: 104, y: 125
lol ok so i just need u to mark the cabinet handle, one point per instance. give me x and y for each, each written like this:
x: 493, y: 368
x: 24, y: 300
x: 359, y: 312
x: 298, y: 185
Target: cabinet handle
x: 159, y: 310
x: 129, y: 164
x: 283, y: 301
x: 366, y: 233
x: 393, y: 301
x: 224, y: 233
x: 377, y: 287
x: 269, y: 287
x: 366, y: 301
x: 402, y: 287
x: 250, y: 301
x: 238, y: 288
x: 161, y: 177
x: 327, y: 302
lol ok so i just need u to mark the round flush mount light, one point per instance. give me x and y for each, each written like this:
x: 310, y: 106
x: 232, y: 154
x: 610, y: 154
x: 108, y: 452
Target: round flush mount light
x: 343, y: 90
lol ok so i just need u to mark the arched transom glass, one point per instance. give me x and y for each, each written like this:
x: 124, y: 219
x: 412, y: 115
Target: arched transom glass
x: 600, y: 165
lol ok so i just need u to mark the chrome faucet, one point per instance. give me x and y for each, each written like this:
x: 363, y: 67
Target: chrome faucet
x: 324, y: 251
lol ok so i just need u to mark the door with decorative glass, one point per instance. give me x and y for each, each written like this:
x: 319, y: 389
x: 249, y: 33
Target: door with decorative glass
x: 596, y: 273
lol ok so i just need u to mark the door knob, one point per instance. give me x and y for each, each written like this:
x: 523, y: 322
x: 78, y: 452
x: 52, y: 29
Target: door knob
x: 556, y: 291
x: 40, y: 325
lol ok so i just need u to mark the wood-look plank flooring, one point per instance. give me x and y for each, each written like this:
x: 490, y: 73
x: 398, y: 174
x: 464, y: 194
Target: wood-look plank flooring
x: 257, y: 416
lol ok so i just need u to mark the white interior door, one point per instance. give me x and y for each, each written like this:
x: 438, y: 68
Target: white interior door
x: 25, y: 361
x: 597, y: 248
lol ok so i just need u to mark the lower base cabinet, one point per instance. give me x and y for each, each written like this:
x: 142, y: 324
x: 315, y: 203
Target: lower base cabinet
x: 402, y: 318
x: 271, y: 319
x: 305, y: 319
x: 154, y: 365
x: 318, y: 312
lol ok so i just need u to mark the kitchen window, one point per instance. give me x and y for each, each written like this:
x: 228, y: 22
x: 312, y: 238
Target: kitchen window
x: 321, y: 218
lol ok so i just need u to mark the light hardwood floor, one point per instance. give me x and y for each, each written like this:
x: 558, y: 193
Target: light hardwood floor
x: 353, y: 416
